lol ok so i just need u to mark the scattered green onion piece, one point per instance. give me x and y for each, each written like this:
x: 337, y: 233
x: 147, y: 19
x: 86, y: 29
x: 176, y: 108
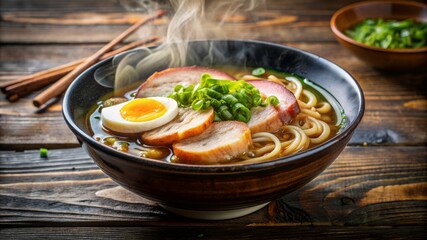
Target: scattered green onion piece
x: 240, y: 109
x: 178, y: 88
x: 216, y: 103
x: 184, y: 97
x: 258, y: 71
x: 229, y: 99
x: 240, y: 117
x: 217, y: 118
x: 197, y: 104
x: 189, y: 88
x: 226, y: 115
x: 43, y: 152
x: 273, y: 100
x: 206, y: 105
x: 213, y: 94
x: 174, y: 96
x: 222, y: 108
x: 220, y: 88
x: 257, y: 100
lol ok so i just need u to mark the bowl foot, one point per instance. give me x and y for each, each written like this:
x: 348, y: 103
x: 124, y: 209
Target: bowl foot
x: 214, y: 215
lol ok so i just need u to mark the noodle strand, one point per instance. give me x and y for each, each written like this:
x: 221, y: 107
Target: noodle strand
x: 275, y: 152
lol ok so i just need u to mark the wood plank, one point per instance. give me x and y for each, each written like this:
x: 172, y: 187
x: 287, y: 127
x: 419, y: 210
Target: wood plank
x: 97, y: 6
x: 374, y: 186
x: 23, y: 127
x: 177, y: 233
x: 46, y: 34
x: 64, y: 22
x: 273, y: 28
x: 390, y: 98
x: 26, y: 59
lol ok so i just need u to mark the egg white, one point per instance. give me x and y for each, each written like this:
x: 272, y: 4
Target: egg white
x: 111, y: 118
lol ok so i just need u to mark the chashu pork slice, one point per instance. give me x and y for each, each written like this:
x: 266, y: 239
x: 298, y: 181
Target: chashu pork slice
x: 264, y: 119
x: 219, y: 143
x: 288, y: 105
x: 186, y: 124
x: 161, y: 84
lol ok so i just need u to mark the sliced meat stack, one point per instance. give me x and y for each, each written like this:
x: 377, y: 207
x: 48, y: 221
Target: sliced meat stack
x: 219, y: 143
x: 195, y: 138
x: 162, y: 83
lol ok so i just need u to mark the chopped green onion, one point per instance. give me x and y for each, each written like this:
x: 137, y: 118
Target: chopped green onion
x: 258, y: 71
x: 217, y: 118
x: 241, y: 118
x: 242, y: 111
x: 225, y: 113
x: 390, y: 33
x: 178, y: 88
x: 231, y: 100
x: 215, y: 103
x: 213, y: 94
x: 197, y: 104
x: 220, y: 88
x: 273, y: 100
x: 43, y: 152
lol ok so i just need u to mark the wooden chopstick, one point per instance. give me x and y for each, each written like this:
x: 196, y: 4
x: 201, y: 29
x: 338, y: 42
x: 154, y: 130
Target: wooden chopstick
x: 22, y: 88
x: 65, y: 68
x: 61, y: 85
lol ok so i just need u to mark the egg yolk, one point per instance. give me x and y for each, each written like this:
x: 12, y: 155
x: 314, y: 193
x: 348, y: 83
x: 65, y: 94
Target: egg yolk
x: 142, y: 110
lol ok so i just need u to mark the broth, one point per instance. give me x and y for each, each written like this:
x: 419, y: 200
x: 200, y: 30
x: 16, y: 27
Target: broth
x: 131, y: 143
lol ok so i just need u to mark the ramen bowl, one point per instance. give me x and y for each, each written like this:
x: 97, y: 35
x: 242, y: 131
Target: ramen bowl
x: 221, y: 191
x: 380, y: 58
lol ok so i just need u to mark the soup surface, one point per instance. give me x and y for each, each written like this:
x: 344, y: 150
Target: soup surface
x: 319, y: 119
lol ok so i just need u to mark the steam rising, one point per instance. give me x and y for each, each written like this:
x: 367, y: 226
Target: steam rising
x: 192, y: 20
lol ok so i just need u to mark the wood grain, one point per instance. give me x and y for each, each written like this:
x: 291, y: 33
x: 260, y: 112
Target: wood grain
x: 184, y: 232
x: 273, y: 30
x: 277, y: 20
x: 108, y: 6
x: 389, y: 99
x: 369, y: 186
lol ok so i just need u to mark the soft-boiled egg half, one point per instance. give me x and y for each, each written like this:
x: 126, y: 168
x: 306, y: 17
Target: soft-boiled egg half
x: 139, y: 115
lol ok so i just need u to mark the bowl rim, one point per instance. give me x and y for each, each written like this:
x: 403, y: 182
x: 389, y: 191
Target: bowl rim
x: 216, y: 169
x: 339, y: 34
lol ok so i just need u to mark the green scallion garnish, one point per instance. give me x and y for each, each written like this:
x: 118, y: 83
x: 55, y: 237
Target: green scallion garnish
x: 258, y: 71
x: 231, y: 100
x: 43, y: 152
x: 390, y: 33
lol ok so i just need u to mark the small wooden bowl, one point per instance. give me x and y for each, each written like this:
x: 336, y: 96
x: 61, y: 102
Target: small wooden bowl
x: 385, y: 59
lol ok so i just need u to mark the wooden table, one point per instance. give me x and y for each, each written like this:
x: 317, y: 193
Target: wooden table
x: 377, y: 188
